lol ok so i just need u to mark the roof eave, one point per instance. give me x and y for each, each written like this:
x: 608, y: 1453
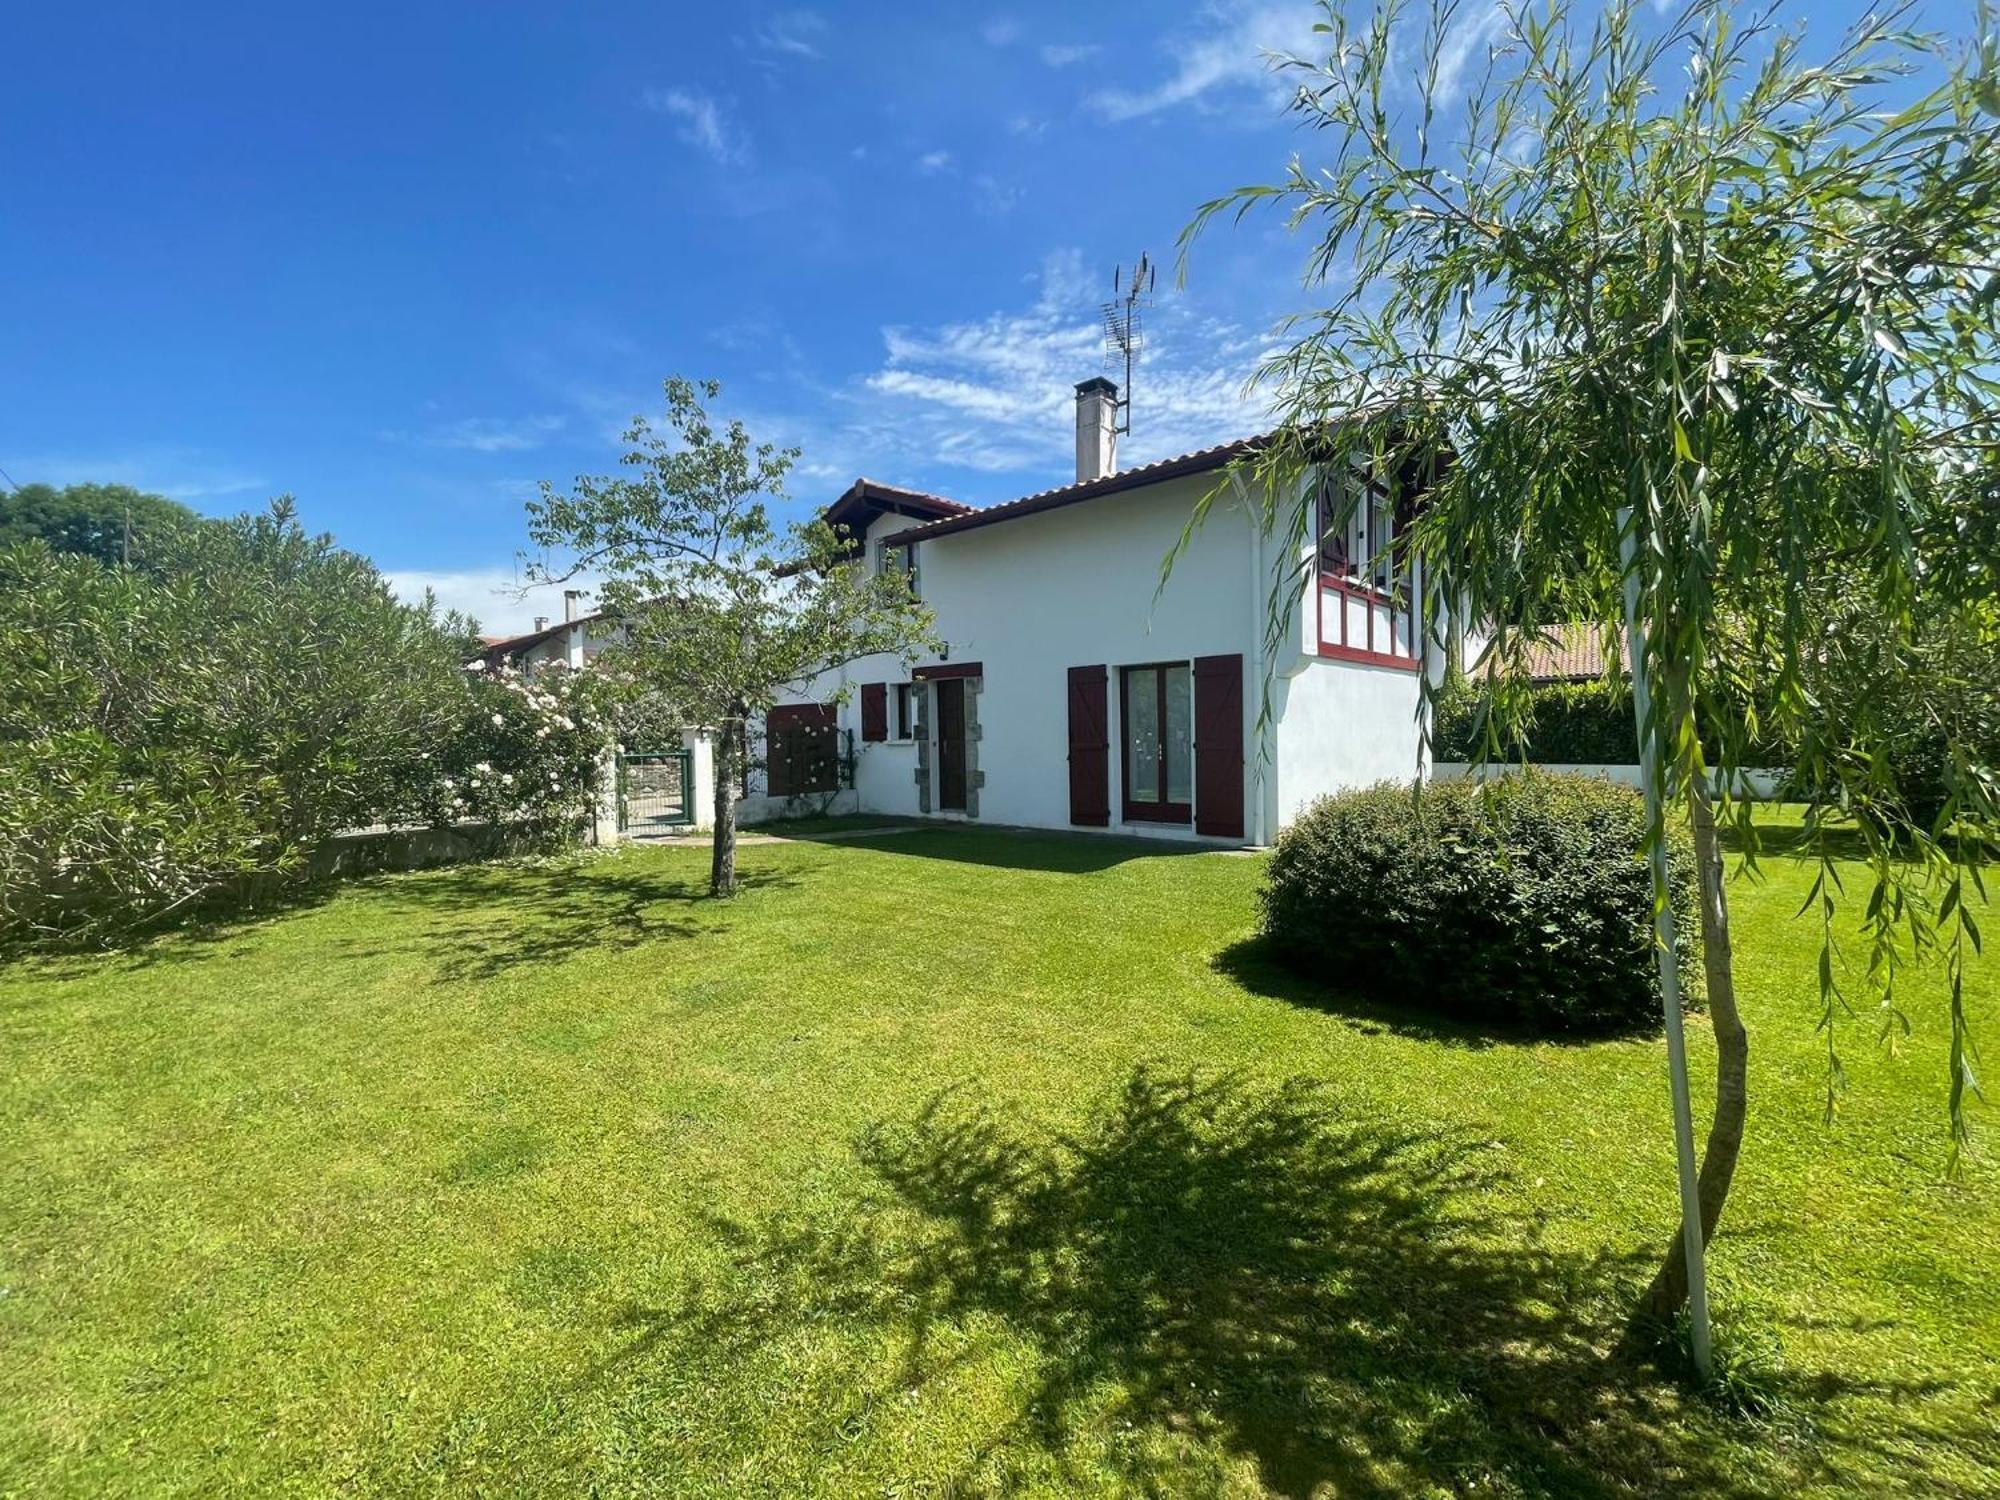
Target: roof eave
x: 1206, y: 460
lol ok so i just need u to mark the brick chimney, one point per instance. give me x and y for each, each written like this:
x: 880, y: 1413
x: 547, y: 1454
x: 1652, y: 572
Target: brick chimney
x: 1096, y: 428
x: 572, y: 602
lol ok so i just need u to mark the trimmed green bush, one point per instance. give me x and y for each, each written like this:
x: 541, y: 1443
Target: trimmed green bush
x: 1522, y: 901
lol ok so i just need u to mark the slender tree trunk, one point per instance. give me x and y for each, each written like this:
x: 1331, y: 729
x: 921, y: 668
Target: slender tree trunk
x: 722, y: 861
x: 1732, y: 1055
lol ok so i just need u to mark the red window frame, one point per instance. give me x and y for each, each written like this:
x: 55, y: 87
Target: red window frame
x: 1354, y: 584
x: 1161, y: 811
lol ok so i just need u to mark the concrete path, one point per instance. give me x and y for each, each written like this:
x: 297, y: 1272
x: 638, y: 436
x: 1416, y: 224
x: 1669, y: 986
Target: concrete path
x: 702, y: 840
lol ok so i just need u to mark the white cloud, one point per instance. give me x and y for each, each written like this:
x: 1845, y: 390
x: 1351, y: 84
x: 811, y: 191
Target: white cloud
x: 794, y: 33
x: 992, y: 196
x: 1030, y: 126
x: 1233, y: 55
x: 933, y: 162
x: 485, y: 434
x: 1062, y: 57
x: 491, y: 595
x: 1473, y: 31
x: 996, y: 394
x: 702, y: 123
x: 183, y: 474
x: 1001, y: 31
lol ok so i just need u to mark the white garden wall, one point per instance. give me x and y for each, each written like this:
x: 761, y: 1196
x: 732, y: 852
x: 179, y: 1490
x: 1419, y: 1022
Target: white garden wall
x: 1760, y: 786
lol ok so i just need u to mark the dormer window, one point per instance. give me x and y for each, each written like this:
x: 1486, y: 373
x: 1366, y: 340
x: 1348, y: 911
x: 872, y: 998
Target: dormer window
x: 898, y: 559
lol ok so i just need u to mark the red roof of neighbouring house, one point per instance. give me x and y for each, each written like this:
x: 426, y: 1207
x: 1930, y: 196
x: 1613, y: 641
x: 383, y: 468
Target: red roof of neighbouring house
x: 1571, y: 652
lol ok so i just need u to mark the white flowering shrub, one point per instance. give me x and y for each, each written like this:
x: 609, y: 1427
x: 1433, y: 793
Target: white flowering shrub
x: 529, y: 751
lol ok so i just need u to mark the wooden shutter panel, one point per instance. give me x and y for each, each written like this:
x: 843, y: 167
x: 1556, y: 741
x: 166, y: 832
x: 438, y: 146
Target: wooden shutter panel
x: 874, y: 710
x: 1218, y: 746
x: 801, y: 749
x: 777, y: 756
x: 1089, y: 748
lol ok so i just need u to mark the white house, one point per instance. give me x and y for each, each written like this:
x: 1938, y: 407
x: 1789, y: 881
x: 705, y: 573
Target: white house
x: 1075, y: 691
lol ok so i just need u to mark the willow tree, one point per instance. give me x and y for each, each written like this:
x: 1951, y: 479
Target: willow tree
x: 1665, y: 279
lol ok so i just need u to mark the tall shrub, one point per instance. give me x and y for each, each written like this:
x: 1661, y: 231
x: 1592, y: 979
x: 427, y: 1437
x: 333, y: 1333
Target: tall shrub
x: 1561, y: 723
x: 195, y: 725
x: 526, y: 751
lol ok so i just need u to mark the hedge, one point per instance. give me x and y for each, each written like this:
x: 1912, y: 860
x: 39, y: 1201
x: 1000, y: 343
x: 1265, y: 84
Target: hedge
x: 1523, y: 901
x: 1568, y: 723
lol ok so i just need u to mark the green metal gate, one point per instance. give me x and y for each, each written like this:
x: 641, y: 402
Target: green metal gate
x: 656, y: 791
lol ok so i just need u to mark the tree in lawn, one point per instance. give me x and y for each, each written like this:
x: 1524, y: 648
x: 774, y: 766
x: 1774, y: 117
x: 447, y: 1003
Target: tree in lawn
x: 725, y: 610
x: 1670, y: 268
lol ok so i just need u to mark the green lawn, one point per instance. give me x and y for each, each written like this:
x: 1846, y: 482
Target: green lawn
x: 948, y: 1162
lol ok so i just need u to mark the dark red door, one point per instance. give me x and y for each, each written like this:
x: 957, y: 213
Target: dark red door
x: 950, y: 693
x: 1089, y: 748
x: 1218, y: 746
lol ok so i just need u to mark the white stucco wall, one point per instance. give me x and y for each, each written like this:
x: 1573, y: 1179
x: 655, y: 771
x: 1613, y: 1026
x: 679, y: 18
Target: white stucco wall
x: 1032, y: 597
x: 1341, y: 725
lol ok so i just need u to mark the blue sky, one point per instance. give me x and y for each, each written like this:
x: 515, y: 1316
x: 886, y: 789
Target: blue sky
x: 404, y: 261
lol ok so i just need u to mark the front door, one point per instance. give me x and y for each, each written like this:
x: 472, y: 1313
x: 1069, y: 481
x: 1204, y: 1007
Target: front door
x: 950, y: 697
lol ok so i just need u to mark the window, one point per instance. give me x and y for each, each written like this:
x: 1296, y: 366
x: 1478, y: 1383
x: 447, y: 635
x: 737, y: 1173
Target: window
x: 901, y: 559
x: 906, y: 710
x: 1156, y: 708
x: 1357, y: 546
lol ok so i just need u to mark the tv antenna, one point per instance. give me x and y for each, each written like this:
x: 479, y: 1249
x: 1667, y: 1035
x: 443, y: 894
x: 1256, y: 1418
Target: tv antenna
x: 1124, y: 326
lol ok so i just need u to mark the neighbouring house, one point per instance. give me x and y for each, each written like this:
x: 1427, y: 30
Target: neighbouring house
x: 572, y: 640
x: 1076, y: 690
x: 1571, y: 652
x: 656, y: 788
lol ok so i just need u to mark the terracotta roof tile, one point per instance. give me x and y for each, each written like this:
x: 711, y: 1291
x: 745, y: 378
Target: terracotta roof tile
x: 1197, y: 462
x: 1566, y: 653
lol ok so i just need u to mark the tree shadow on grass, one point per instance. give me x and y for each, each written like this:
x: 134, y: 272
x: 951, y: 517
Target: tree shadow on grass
x: 1255, y: 965
x: 1213, y: 1274
x: 489, y: 920
x: 207, y: 931
x: 1007, y: 848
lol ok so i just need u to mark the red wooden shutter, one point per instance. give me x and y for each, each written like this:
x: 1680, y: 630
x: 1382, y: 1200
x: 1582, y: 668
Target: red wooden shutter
x: 1089, y: 748
x: 874, y: 710
x: 777, y: 753
x: 1218, y: 746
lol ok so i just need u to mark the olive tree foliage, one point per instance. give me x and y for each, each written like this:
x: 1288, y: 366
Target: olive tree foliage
x: 199, y: 722
x: 181, y: 733
x: 725, y: 610
x: 1672, y: 266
